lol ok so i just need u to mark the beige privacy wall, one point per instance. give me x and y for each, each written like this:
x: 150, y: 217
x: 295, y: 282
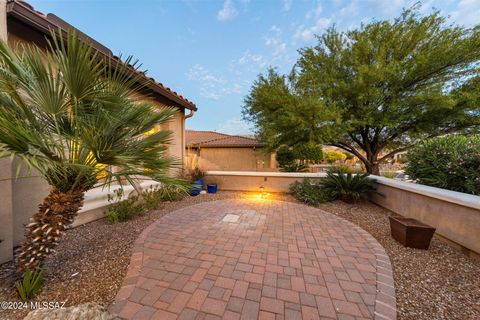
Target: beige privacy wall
x: 455, y: 215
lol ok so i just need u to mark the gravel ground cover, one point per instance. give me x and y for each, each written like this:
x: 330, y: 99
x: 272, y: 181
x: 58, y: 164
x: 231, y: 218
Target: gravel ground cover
x: 440, y: 283
x: 91, y: 261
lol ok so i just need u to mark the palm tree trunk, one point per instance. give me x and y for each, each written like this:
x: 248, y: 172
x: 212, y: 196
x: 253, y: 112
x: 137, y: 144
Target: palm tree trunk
x: 55, y: 214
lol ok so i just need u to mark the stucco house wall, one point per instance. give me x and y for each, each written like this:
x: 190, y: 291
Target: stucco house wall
x: 19, y: 198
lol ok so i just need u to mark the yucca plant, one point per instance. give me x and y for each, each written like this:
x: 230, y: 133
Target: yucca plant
x: 347, y: 186
x: 77, y: 119
x: 30, y: 284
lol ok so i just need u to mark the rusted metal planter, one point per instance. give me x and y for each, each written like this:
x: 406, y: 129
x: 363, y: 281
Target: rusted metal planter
x: 410, y: 232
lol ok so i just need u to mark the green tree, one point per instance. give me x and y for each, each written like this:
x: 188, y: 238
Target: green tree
x: 308, y: 152
x: 72, y: 116
x: 374, y: 91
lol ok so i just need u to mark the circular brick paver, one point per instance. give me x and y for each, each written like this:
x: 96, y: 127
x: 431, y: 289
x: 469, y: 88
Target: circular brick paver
x: 244, y: 259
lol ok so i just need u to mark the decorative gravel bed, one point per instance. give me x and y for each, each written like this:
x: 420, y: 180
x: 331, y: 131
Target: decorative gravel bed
x: 91, y: 261
x: 439, y: 283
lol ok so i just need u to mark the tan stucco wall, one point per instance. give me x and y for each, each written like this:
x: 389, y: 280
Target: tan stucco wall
x: 235, y: 159
x: 27, y: 194
x: 460, y: 224
x: 6, y: 210
x: 252, y: 183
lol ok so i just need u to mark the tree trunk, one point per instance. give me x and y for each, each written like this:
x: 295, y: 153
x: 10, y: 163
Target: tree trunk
x: 373, y: 168
x: 55, y: 214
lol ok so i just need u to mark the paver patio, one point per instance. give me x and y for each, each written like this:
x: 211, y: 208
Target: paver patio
x: 245, y: 259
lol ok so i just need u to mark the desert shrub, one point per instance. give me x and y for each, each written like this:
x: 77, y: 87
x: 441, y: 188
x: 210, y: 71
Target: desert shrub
x: 195, y: 173
x: 346, y: 168
x: 122, y: 210
x: 334, y: 156
x: 347, y: 186
x: 309, y: 192
x: 285, y: 156
x: 172, y: 193
x: 389, y: 174
x: 294, y: 167
x: 30, y: 284
x: 451, y: 162
x: 348, y: 155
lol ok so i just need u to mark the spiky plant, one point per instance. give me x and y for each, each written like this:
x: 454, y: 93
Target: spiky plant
x: 347, y: 186
x: 76, y: 118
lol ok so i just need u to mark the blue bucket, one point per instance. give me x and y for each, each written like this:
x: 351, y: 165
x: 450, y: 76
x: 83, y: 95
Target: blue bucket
x: 212, y: 188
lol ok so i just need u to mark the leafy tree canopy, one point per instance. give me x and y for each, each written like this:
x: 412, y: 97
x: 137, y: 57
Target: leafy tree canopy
x: 375, y: 90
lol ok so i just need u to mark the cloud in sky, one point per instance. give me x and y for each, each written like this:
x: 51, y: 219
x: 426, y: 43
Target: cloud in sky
x: 467, y: 12
x: 287, y: 5
x: 235, y: 126
x: 251, y: 60
x: 307, y: 33
x: 211, y: 86
x: 275, y: 43
x: 228, y: 11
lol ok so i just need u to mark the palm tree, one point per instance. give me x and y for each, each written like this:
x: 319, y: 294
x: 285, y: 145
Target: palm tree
x: 76, y: 118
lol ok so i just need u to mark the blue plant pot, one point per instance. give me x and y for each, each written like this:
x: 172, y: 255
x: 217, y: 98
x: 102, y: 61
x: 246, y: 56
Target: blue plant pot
x: 195, y: 192
x: 212, y: 188
x: 197, y: 186
x: 199, y: 182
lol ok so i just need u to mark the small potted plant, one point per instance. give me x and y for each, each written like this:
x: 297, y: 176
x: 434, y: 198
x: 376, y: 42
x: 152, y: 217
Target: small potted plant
x: 196, y: 176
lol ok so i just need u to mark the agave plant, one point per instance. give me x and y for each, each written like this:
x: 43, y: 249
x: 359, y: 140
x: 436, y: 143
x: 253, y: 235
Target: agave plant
x: 347, y: 186
x: 77, y: 119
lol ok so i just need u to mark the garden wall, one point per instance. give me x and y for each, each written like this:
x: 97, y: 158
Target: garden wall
x: 455, y: 215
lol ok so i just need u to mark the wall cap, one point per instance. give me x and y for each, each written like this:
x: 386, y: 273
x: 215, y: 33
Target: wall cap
x: 463, y: 199
x: 267, y: 174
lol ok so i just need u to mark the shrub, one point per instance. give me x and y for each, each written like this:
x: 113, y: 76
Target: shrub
x: 122, y: 210
x: 391, y: 174
x: 310, y: 193
x: 451, y: 162
x: 30, y: 285
x: 347, y: 186
x: 195, y: 174
x: 285, y: 156
x: 334, y: 156
x: 172, y: 193
x: 308, y: 152
x: 346, y: 168
x: 348, y: 155
x: 294, y: 167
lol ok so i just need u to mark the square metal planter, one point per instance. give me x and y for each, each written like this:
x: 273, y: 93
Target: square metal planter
x: 410, y: 232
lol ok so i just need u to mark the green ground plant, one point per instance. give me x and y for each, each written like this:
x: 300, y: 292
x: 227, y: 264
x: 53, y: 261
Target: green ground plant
x: 310, y: 192
x: 31, y: 283
x: 121, y: 210
x: 347, y: 186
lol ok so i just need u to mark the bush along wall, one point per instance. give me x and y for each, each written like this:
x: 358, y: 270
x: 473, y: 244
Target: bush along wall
x: 451, y: 162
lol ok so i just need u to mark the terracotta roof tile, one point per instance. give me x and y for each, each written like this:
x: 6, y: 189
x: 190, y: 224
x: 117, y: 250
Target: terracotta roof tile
x: 195, y: 139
